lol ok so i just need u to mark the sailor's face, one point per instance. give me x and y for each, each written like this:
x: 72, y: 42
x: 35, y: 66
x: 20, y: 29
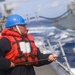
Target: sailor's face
x: 23, y: 29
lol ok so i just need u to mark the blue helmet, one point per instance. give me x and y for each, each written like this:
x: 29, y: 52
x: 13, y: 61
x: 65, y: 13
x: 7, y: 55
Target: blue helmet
x: 14, y: 20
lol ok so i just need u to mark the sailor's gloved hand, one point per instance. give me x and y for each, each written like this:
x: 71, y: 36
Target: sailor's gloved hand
x: 52, y: 57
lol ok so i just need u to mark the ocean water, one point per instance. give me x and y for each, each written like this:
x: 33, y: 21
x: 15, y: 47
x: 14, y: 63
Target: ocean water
x: 46, y: 30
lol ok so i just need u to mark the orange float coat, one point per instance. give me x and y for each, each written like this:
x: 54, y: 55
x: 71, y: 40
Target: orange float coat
x: 15, y: 54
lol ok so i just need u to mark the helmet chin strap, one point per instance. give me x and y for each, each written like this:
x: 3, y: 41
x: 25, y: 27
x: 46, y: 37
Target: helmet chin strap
x: 18, y: 29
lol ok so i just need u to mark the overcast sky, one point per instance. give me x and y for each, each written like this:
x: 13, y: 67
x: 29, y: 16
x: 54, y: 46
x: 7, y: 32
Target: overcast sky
x: 48, y: 8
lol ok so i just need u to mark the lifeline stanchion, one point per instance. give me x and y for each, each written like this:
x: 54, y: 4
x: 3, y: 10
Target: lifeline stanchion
x: 64, y: 56
x: 66, y: 61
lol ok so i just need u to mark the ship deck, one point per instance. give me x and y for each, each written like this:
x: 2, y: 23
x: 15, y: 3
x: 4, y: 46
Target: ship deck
x: 45, y: 70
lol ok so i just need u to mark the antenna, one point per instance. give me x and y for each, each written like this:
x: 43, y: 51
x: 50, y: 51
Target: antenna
x: 36, y: 16
x: 28, y: 19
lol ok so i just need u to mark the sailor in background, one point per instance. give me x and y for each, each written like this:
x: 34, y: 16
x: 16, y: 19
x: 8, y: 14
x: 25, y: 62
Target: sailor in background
x: 17, y: 49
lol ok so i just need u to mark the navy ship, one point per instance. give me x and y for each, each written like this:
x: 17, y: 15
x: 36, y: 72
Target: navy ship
x: 50, y: 37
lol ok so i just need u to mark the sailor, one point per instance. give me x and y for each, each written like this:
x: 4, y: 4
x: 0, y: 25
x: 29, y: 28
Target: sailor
x: 18, y: 52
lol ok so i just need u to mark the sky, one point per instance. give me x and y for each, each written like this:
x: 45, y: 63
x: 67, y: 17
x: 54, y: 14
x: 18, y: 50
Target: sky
x: 47, y: 8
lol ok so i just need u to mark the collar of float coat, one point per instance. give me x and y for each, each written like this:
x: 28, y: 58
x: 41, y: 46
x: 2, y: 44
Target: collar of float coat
x: 10, y: 32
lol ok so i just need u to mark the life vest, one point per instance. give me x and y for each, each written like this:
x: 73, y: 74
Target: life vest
x: 17, y: 55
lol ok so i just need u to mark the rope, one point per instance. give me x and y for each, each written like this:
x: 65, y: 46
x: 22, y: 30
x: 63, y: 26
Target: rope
x: 26, y: 63
x: 41, y: 60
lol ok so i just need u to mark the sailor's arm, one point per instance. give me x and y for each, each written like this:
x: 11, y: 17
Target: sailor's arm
x: 4, y: 48
x: 50, y: 58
